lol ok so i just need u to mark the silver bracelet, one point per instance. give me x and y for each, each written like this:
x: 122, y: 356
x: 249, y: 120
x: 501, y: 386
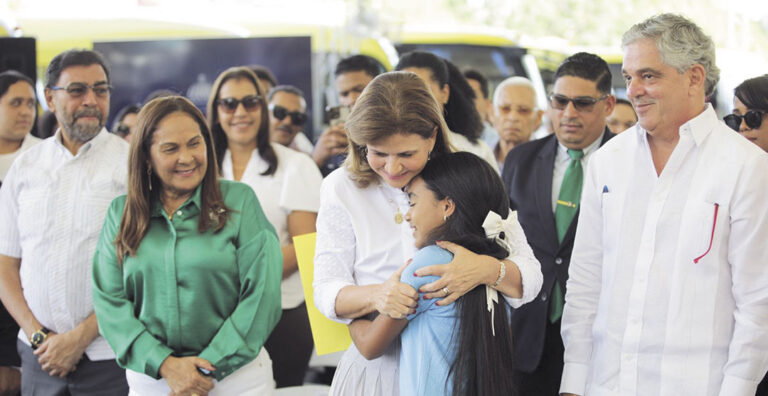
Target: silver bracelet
x: 502, y: 272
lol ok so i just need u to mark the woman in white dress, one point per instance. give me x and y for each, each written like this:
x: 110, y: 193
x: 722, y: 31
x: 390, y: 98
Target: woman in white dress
x: 287, y: 184
x: 456, y: 97
x: 394, y: 128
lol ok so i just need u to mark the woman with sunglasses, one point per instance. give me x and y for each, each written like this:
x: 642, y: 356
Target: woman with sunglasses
x: 456, y: 97
x: 287, y: 184
x: 750, y: 106
x: 362, y: 238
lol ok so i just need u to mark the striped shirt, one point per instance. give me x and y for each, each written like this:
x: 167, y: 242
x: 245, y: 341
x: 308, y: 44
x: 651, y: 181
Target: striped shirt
x: 52, y: 208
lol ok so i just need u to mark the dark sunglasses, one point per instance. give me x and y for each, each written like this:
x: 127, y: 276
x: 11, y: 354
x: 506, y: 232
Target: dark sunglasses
x: 78, y: 89
x: 753, y: 118
x: 581, y: 103
x: 297, y: 118
x: 229, y: 105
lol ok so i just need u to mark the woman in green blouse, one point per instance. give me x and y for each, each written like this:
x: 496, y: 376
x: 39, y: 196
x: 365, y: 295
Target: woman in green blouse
x: 186, y: 276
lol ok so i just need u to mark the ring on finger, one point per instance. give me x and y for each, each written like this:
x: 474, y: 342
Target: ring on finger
x: 446, y: 291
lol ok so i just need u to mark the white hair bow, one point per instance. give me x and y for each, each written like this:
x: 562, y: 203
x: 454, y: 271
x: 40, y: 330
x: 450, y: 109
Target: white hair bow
x: 494, y: 228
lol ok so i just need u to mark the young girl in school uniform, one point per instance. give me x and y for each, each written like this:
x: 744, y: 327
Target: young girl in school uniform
x: 463, y: 348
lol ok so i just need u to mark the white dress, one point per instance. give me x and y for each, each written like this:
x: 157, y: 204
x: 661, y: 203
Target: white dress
x: 295, y: 186
x: 359, y: 243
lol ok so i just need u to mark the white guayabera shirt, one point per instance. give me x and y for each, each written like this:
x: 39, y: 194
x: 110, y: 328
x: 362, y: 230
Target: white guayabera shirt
x: 52, y: 209
x: 667, y: 286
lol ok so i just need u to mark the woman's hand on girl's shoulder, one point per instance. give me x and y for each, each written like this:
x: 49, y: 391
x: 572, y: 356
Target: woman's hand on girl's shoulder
x: 394, y: 298
x: 466, y: 271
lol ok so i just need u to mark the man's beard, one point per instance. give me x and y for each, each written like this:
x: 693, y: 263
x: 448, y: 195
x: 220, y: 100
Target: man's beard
x: 84, y: 133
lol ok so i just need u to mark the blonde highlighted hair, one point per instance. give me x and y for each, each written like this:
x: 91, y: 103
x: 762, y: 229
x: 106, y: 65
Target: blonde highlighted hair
x: 393, y: 103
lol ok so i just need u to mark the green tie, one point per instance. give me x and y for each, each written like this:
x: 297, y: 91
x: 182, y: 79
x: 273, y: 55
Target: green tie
x: 565, y: 210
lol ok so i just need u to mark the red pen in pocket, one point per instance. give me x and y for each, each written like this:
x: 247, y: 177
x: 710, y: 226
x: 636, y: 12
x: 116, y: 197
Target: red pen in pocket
x: 711, y: 236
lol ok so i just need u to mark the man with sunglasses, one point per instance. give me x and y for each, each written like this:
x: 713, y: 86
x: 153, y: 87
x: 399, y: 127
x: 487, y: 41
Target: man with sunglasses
x: 287, y: 116
x: 667, y: 287
x: 52, y: 207
x: 543, y: 178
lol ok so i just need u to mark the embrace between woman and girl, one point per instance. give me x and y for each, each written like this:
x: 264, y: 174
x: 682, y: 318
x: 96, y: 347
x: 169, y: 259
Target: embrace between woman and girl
x: 188, y: 268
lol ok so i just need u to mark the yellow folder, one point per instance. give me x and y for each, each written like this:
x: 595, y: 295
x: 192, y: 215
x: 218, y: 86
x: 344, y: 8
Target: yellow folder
x: 329, y: 336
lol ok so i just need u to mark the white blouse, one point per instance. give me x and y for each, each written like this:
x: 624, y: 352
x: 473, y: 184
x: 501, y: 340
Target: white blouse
x: 295, y: 186
x: 359, y: 243
x: 480, y: 149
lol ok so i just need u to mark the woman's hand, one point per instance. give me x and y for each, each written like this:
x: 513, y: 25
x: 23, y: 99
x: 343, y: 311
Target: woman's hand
x: 466, y: 271
x: 394, y: 298
x: 183, y: 378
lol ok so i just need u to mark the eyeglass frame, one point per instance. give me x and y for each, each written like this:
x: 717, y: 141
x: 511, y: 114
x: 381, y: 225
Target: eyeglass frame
x: 230, y: 105
x: 580, y: 107
x: 751, y: 124
x: 292, y: 114
x: 87, y: 87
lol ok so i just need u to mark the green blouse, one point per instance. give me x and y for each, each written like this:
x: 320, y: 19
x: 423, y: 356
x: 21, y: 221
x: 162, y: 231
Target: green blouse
x: 212, y: 295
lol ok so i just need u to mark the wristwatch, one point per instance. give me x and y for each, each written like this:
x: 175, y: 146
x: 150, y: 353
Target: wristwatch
x: 38, y: 337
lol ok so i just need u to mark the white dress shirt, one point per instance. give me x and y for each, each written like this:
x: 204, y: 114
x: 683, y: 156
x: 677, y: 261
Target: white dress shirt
x: 302, y: 144
x: 642, y: 316
x: 52, y: 209
x: 295, y: 186
x: 6, y: 160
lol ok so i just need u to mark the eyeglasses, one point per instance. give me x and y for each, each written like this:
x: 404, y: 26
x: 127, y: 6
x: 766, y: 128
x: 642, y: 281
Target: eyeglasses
x: 78, y: 89
x: 297, y: 118
x: 753, y: 118
x: 229, y: 105
x: 581, y: 103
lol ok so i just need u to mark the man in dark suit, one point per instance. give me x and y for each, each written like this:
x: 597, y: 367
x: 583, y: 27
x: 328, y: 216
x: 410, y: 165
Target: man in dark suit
x: 544, y: 180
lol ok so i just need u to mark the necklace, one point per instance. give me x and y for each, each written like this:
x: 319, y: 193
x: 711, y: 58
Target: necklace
x: 398, y: 214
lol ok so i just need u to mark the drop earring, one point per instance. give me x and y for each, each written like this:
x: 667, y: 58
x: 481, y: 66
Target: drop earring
x: 149, y: 177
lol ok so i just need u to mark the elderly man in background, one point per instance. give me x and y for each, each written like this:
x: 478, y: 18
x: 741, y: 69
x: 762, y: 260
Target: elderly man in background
x: 667, y: 287
x: 514, y: 115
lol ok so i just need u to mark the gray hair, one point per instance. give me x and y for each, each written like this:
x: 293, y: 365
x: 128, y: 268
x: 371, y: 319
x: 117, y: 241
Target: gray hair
x: 681, y: 44
x: 290, y: 89
x: 514, y: 81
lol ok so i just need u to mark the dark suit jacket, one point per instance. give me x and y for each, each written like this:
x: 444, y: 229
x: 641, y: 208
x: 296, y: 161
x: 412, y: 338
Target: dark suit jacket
x: 528, y: 177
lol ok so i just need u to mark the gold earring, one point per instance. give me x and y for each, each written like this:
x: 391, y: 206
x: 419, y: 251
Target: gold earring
x: 149, y: 177
x: 445, y: 218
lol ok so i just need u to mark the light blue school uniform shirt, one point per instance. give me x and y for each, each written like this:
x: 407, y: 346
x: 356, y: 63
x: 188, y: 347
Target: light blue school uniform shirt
x: 427, y: 348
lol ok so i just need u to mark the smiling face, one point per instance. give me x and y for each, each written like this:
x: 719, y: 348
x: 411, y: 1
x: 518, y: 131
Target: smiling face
x: 242, y: 125
x: 17, y: 112
x: 178, y: 154
x: 426, y: 213
x: 663, y: 98
x: 399, y: 158
x: 81, y: 117
x: 758, y: 136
